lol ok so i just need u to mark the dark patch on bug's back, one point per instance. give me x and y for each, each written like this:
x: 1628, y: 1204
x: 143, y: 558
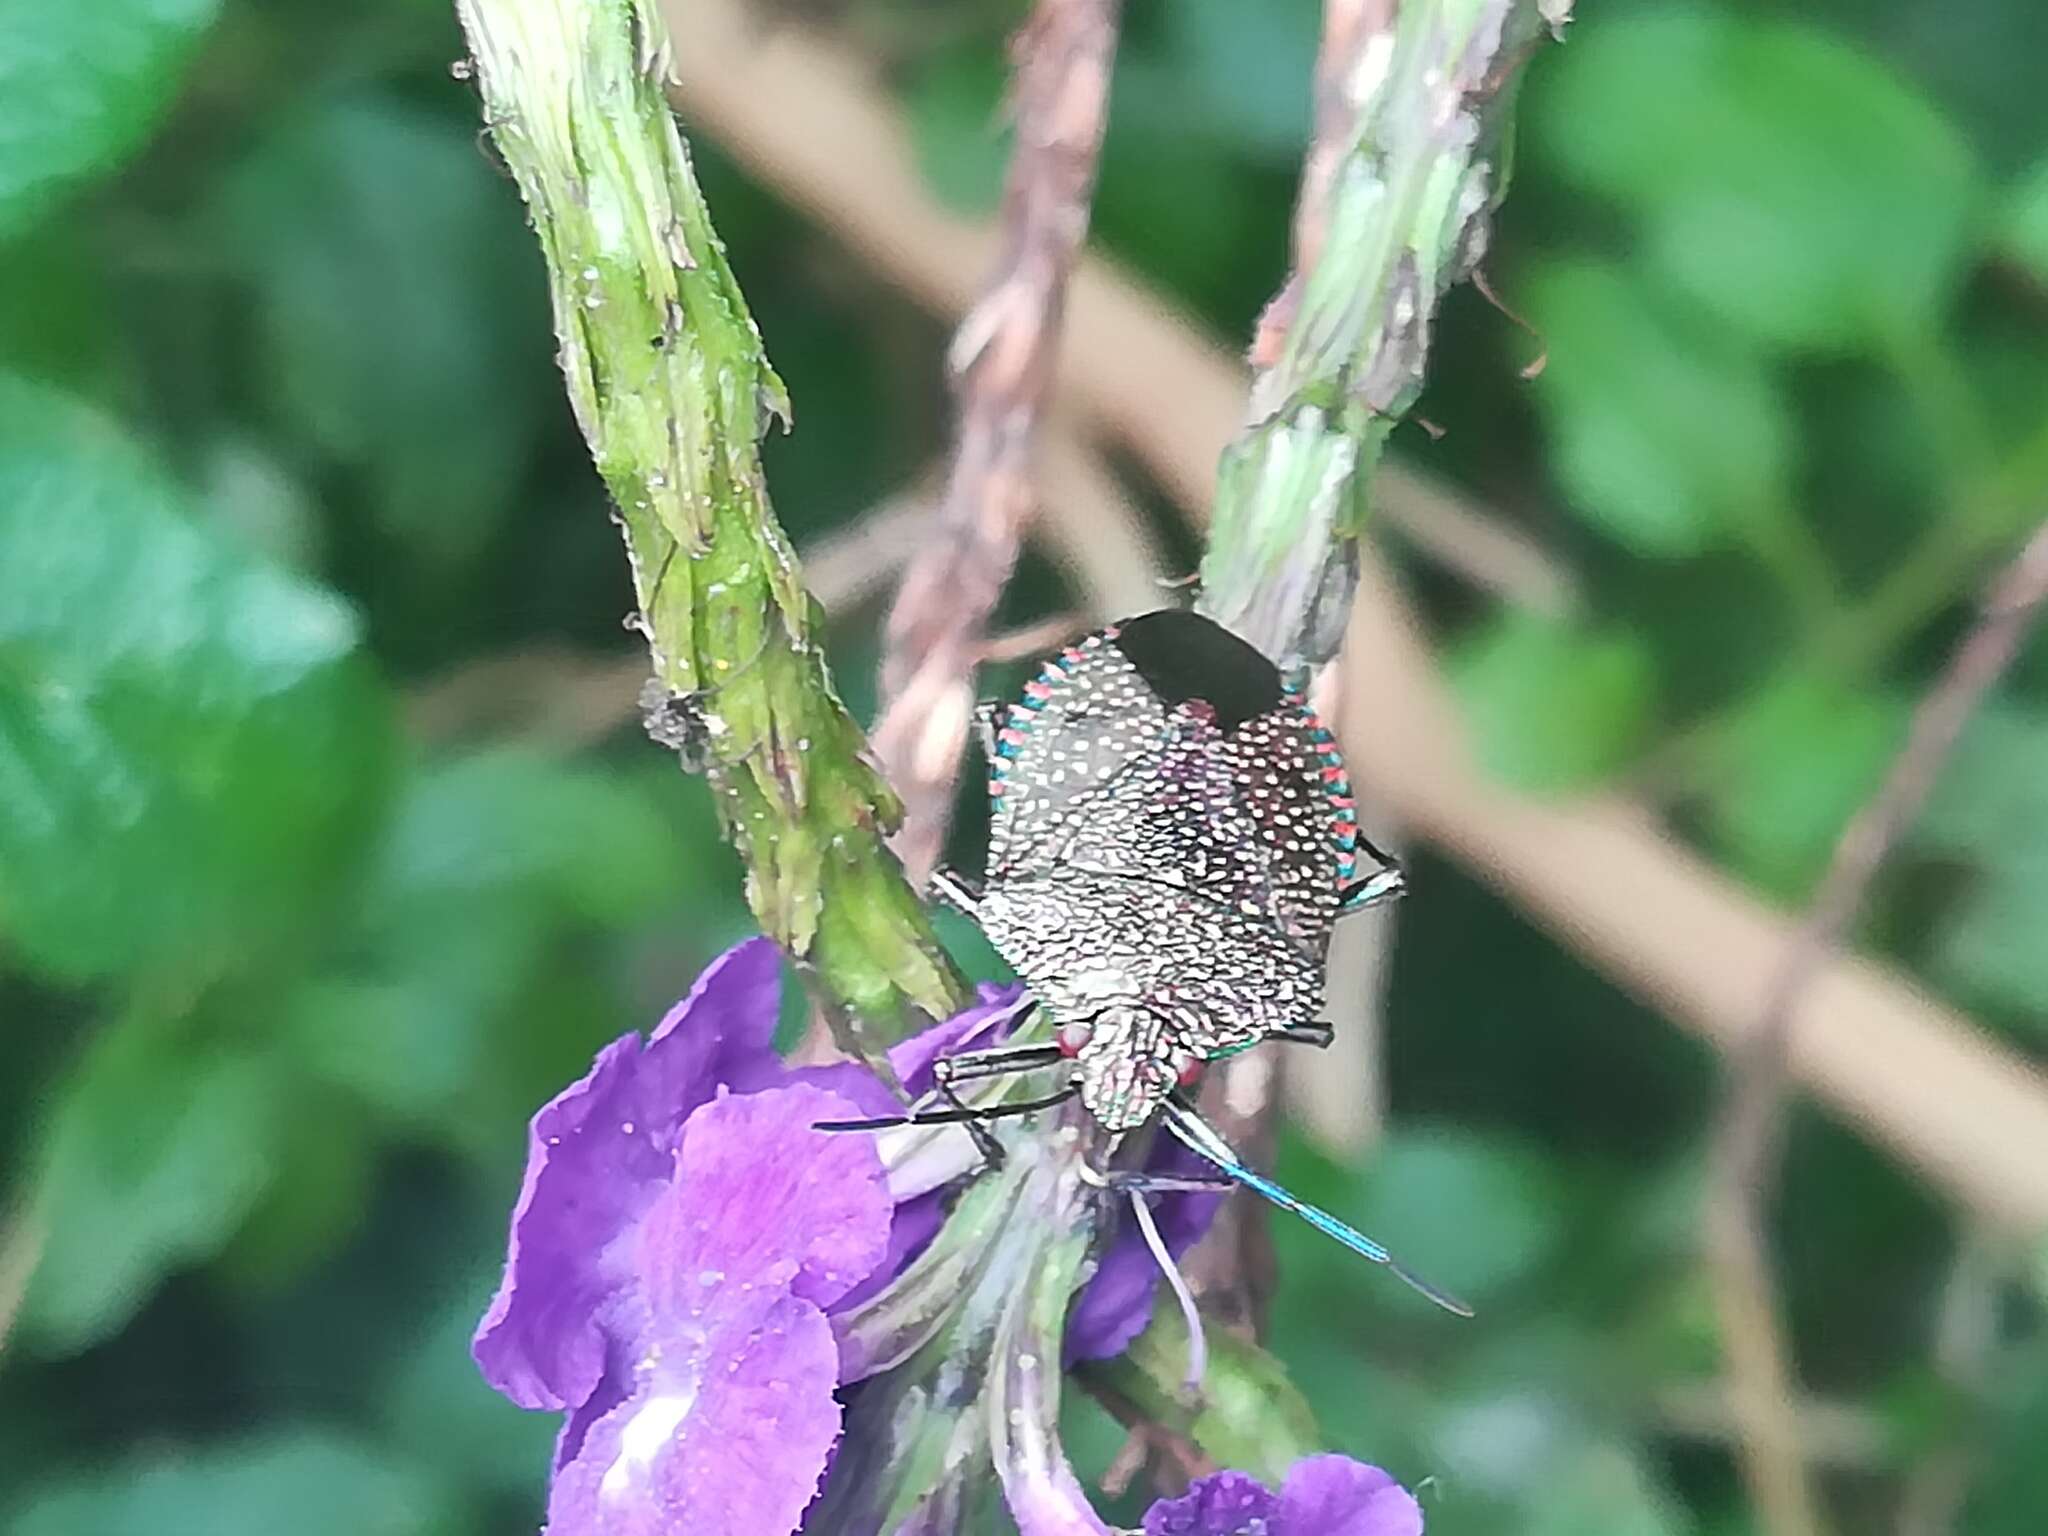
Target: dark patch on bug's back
x: 1183, y: 656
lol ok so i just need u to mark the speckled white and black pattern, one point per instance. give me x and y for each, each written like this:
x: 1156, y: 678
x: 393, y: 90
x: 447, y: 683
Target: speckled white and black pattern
x: 1215, y: 980
x: 1278, y: 768
x: 1086, y: 718
x: 1142, y: 857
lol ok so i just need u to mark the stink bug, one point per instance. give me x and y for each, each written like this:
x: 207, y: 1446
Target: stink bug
x: 1172, y: 839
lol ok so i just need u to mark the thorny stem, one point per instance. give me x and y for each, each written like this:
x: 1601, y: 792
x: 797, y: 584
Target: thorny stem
x: 1746, y: 1139
x: 1405, y: 165
x: 669, y: 382
x: 1002, y: 364
x: 1403, y: 172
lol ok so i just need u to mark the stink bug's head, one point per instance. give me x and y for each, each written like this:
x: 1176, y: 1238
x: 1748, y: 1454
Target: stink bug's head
x: 1127, y: 1062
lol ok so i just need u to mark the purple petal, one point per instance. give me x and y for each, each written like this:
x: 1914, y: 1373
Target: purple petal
x: 915, y: 1224
x: 597, y: 1155
x: 1336, y: 1496
x: 723, y: 1033
x: 1225, y: 1504
x: 539, y: 1343
x: 987, y: 1023
x: 762, y: 1201
x: 727, y: 1435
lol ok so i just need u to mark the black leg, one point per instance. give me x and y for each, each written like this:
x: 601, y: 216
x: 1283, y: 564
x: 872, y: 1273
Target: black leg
x: 1388, y: 884
x: 958, y: 891
x: 1317, y: 1035
x: 997, y: 1061
x: 974, y: 1066
x: 949, y: 1116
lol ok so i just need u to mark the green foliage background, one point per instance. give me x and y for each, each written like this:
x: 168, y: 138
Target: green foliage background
x: 286, y: 958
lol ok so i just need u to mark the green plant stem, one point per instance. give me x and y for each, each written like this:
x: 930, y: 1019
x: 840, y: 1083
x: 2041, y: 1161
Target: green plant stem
x: 671, y: 386
x: 1407, y: 165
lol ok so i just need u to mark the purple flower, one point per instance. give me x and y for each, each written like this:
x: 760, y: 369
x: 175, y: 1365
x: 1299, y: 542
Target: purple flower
x: 1323, y: 1496
x: 695, y: 1275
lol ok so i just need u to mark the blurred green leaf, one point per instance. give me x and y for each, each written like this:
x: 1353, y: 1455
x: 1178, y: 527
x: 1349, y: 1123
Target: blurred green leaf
x: 188, y: 746
x: 515, y: 820
x: 55, y: 314
x: 156, y: 1149
x: 2025, y: 234
x: 954, y: 104
x: 437, y: 1397
x: 1249, y: 69
x: 1991, y: 803
x: 400, y: 315
x: 81, y: 86
x: 492, y: 867
x: 251, y: 495
x: 307, y: 1481
x: 1554, y: 707
x: 1796, y: 187
x: 1667, y: 435
x: 1474, y: 1212
x: 1600, y: 1490
x: 323, y: 1167
x: 1801, y: 756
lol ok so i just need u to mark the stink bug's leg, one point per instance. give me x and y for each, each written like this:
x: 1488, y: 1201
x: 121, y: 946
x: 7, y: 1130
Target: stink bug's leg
x: 1199, y: 1136
x: 949, y: 1116
x: 1317, y: 1035
x: 948, y: 1072
x: 1375, y: 890
x: 974, y: 1066
x: 988, y: 718
x: 983, y: 1138
x: 958, y: 891
x: 997, y: 1061
x: 1167, y: 1183
x: 1389, y: 882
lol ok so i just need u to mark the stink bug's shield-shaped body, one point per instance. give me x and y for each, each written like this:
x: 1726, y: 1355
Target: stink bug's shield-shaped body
x: 1171, y: 836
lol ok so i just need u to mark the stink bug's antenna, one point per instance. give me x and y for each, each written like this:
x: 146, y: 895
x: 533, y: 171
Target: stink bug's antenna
x: 1202, y: 1138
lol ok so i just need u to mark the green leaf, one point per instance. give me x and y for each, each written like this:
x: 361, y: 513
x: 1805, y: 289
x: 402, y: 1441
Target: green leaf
x: 493, y: 866
x: 1554, y: 708
x: 81, y: 86
x: 399, y: 313
x: 1665, y: 434
x: 2024, y: 234
x: 189, y: 747
x: 435, y: 1396
x: 306, y: 1481
x: 1602, y: 1488
x: 1799, y: 760
x: 1991, y: 803
x: 1247, y: 70
x: 954, y: 106
x: 323, y: 1172
x: 1475, y: 1212
x: 1793, y: 185
x: 55, y: 311
x: 154, y: 1153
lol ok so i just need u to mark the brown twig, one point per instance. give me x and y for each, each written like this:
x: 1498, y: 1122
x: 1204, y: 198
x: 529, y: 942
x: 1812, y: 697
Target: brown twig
x: 1002, y: 362
x: 1600, y: 874
x: 1746, y: 1141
